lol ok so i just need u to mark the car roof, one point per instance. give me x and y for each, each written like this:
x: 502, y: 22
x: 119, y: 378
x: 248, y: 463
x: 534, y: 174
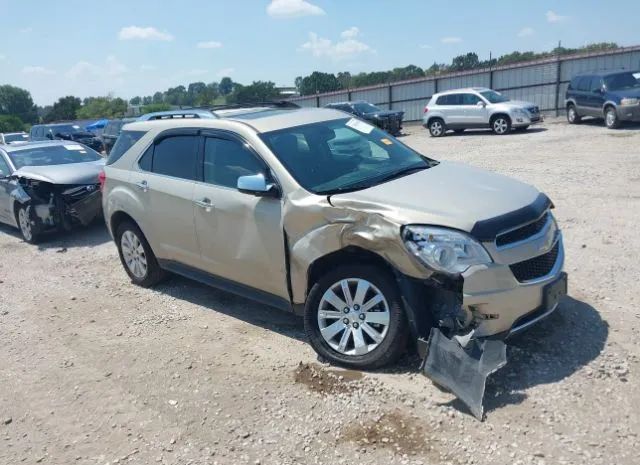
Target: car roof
x: 12, y: 133
x: 464, y: 89
x: 166, y: 114
x: 43, y: 143
x: 260, y: 119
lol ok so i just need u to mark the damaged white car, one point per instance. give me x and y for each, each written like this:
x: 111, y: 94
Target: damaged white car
x: 48, y: 186
x: 325, y: 215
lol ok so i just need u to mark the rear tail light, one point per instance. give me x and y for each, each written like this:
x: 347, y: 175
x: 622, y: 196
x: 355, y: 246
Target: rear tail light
x: 102, y: 177
x: 426, y: 109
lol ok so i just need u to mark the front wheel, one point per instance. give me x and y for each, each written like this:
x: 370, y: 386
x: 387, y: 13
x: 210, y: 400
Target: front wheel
x: 572, y: 115
x: 611, y: 118
x: 354, y: 317
x: 27, y: 224
x: 501, y: 125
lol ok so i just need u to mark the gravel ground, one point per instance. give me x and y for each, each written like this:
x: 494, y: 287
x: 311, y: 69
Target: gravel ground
x: 94, y: 370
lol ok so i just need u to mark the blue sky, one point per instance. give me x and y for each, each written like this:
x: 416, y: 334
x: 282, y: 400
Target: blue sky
x: 136, y: 47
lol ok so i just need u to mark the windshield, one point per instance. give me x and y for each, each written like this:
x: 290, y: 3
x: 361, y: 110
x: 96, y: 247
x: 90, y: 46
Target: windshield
x: 364, y: 107
x: 621, y: 81
x: 66, y: 129
x: 8, y: 138
x: 494, y: 97
x: 342, y: 155
x: 53, y: 155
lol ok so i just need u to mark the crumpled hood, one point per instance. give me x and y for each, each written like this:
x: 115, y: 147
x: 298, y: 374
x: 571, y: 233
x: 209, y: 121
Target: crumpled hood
x: 383, y: 114
x: 450, y: 194
x: 72, y: 173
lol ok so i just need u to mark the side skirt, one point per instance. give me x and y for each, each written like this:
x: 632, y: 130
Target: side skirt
x: 226, y: 285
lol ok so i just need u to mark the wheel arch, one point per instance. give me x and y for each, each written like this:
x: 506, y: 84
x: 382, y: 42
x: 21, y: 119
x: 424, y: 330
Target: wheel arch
x: 119, y: 217
x: 497, y: 114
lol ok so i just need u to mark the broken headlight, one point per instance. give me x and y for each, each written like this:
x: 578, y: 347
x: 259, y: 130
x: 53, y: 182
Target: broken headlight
x: 444, y: 249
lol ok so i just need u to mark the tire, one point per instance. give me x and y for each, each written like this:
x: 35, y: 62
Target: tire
x: 501, y: 125
x: 27, y: 224
x: 572, y: 115
x: 136, y: 255
x: 352, y: 343
x: 437, y: 128
x: 611, y: 119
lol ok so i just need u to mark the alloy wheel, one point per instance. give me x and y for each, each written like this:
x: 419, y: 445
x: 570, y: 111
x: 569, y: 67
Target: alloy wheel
x: 500, y: 126
x: 572, y: 114
x: 436, y: 128
x: 25, y: 223
x: 353, y: 317
x: 134, y: 255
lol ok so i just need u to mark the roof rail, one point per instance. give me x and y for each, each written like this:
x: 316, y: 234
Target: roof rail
x: 268, y: 103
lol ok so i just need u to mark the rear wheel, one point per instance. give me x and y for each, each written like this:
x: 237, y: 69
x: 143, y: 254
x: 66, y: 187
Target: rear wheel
x: 611, y: 118
x: 27, y: 224
x: 572, y: 115
x: 501, y: 125
x: 136, y: 255
x: 437, y: 127
x: 354, y: 317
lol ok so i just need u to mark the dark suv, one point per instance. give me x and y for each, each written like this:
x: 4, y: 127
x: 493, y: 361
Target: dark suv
x: 65, y: 131
x: 390, y: 121
x: 112, y: 131
x: 614, y: 96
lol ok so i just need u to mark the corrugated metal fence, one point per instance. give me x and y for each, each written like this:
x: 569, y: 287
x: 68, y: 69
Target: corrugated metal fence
x: 543, y: 82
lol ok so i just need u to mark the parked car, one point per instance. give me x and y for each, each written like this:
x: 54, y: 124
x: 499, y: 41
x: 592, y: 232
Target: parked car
x: 477, y: 107
x: 390, y: 121
x: 112, y: 131
x: 13, y: 137
x: 65, y: 131
x: 372, y: 248
x: 49, y: 185
x: 614, y: 96
x: 178, y: 114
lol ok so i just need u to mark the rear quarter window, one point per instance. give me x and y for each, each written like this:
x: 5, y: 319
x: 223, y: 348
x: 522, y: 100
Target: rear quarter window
x: 125, y: 141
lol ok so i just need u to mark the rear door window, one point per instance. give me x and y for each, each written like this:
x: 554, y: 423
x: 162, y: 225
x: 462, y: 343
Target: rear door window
x: 583, y: 83
x: 125, y: 141
x: 176, y: 156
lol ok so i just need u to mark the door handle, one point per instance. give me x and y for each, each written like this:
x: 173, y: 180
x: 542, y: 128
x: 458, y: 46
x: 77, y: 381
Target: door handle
x: 143, y: 186
x: 204, y: 203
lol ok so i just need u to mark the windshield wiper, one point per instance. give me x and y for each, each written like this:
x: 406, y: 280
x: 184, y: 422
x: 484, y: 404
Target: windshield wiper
x: 365, y: 184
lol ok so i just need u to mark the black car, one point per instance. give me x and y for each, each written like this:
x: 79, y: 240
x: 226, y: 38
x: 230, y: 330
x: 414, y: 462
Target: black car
x: 112, y: 131
x: 613, y: 96
x: 65, y: 131
x: 390, y: 121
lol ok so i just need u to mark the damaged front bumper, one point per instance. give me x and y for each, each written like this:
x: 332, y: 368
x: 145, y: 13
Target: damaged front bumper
x: 497, y: 301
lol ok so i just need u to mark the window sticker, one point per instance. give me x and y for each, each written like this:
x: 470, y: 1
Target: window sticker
x: 386, y: 141
x: 360, y: 126
x: 74, y: 147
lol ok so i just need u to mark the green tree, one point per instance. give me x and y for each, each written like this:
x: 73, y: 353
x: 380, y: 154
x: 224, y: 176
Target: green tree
x: 257, y: 91
x: 226, y: 86
x: 465, y: 62
x: 158, y: 97
x: 147, y: 100
x: 65, y: 109
x: 176, y: 96
x: 153, y: 107
x: 136, y: 100
x: 344, y: 78
x: 102, y: 107
x: 318, y: 82
x: 11, y: 123
x: 407, y: 72
x: 18, y: 102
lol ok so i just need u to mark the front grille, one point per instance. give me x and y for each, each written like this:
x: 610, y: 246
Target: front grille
x: 522, y: 233
x: 536, y: 267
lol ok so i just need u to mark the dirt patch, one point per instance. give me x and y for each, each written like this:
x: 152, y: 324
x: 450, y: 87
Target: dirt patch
x: 394, y: 431
x: 318, y: 379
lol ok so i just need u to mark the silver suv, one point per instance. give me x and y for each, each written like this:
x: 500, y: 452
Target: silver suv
x: 477, y: 107
x: 372, y: 246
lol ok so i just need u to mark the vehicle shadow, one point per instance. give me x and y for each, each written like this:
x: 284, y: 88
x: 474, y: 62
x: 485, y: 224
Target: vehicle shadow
x: 549, y: 352
x: 490, y: 133
x: 599, y: 122
x: 256, y: 314
x: 83, y: 236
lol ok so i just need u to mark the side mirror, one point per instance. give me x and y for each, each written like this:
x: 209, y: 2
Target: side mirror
x: 49, y: 136
x: 481, y: 104
x: 257, y: 185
